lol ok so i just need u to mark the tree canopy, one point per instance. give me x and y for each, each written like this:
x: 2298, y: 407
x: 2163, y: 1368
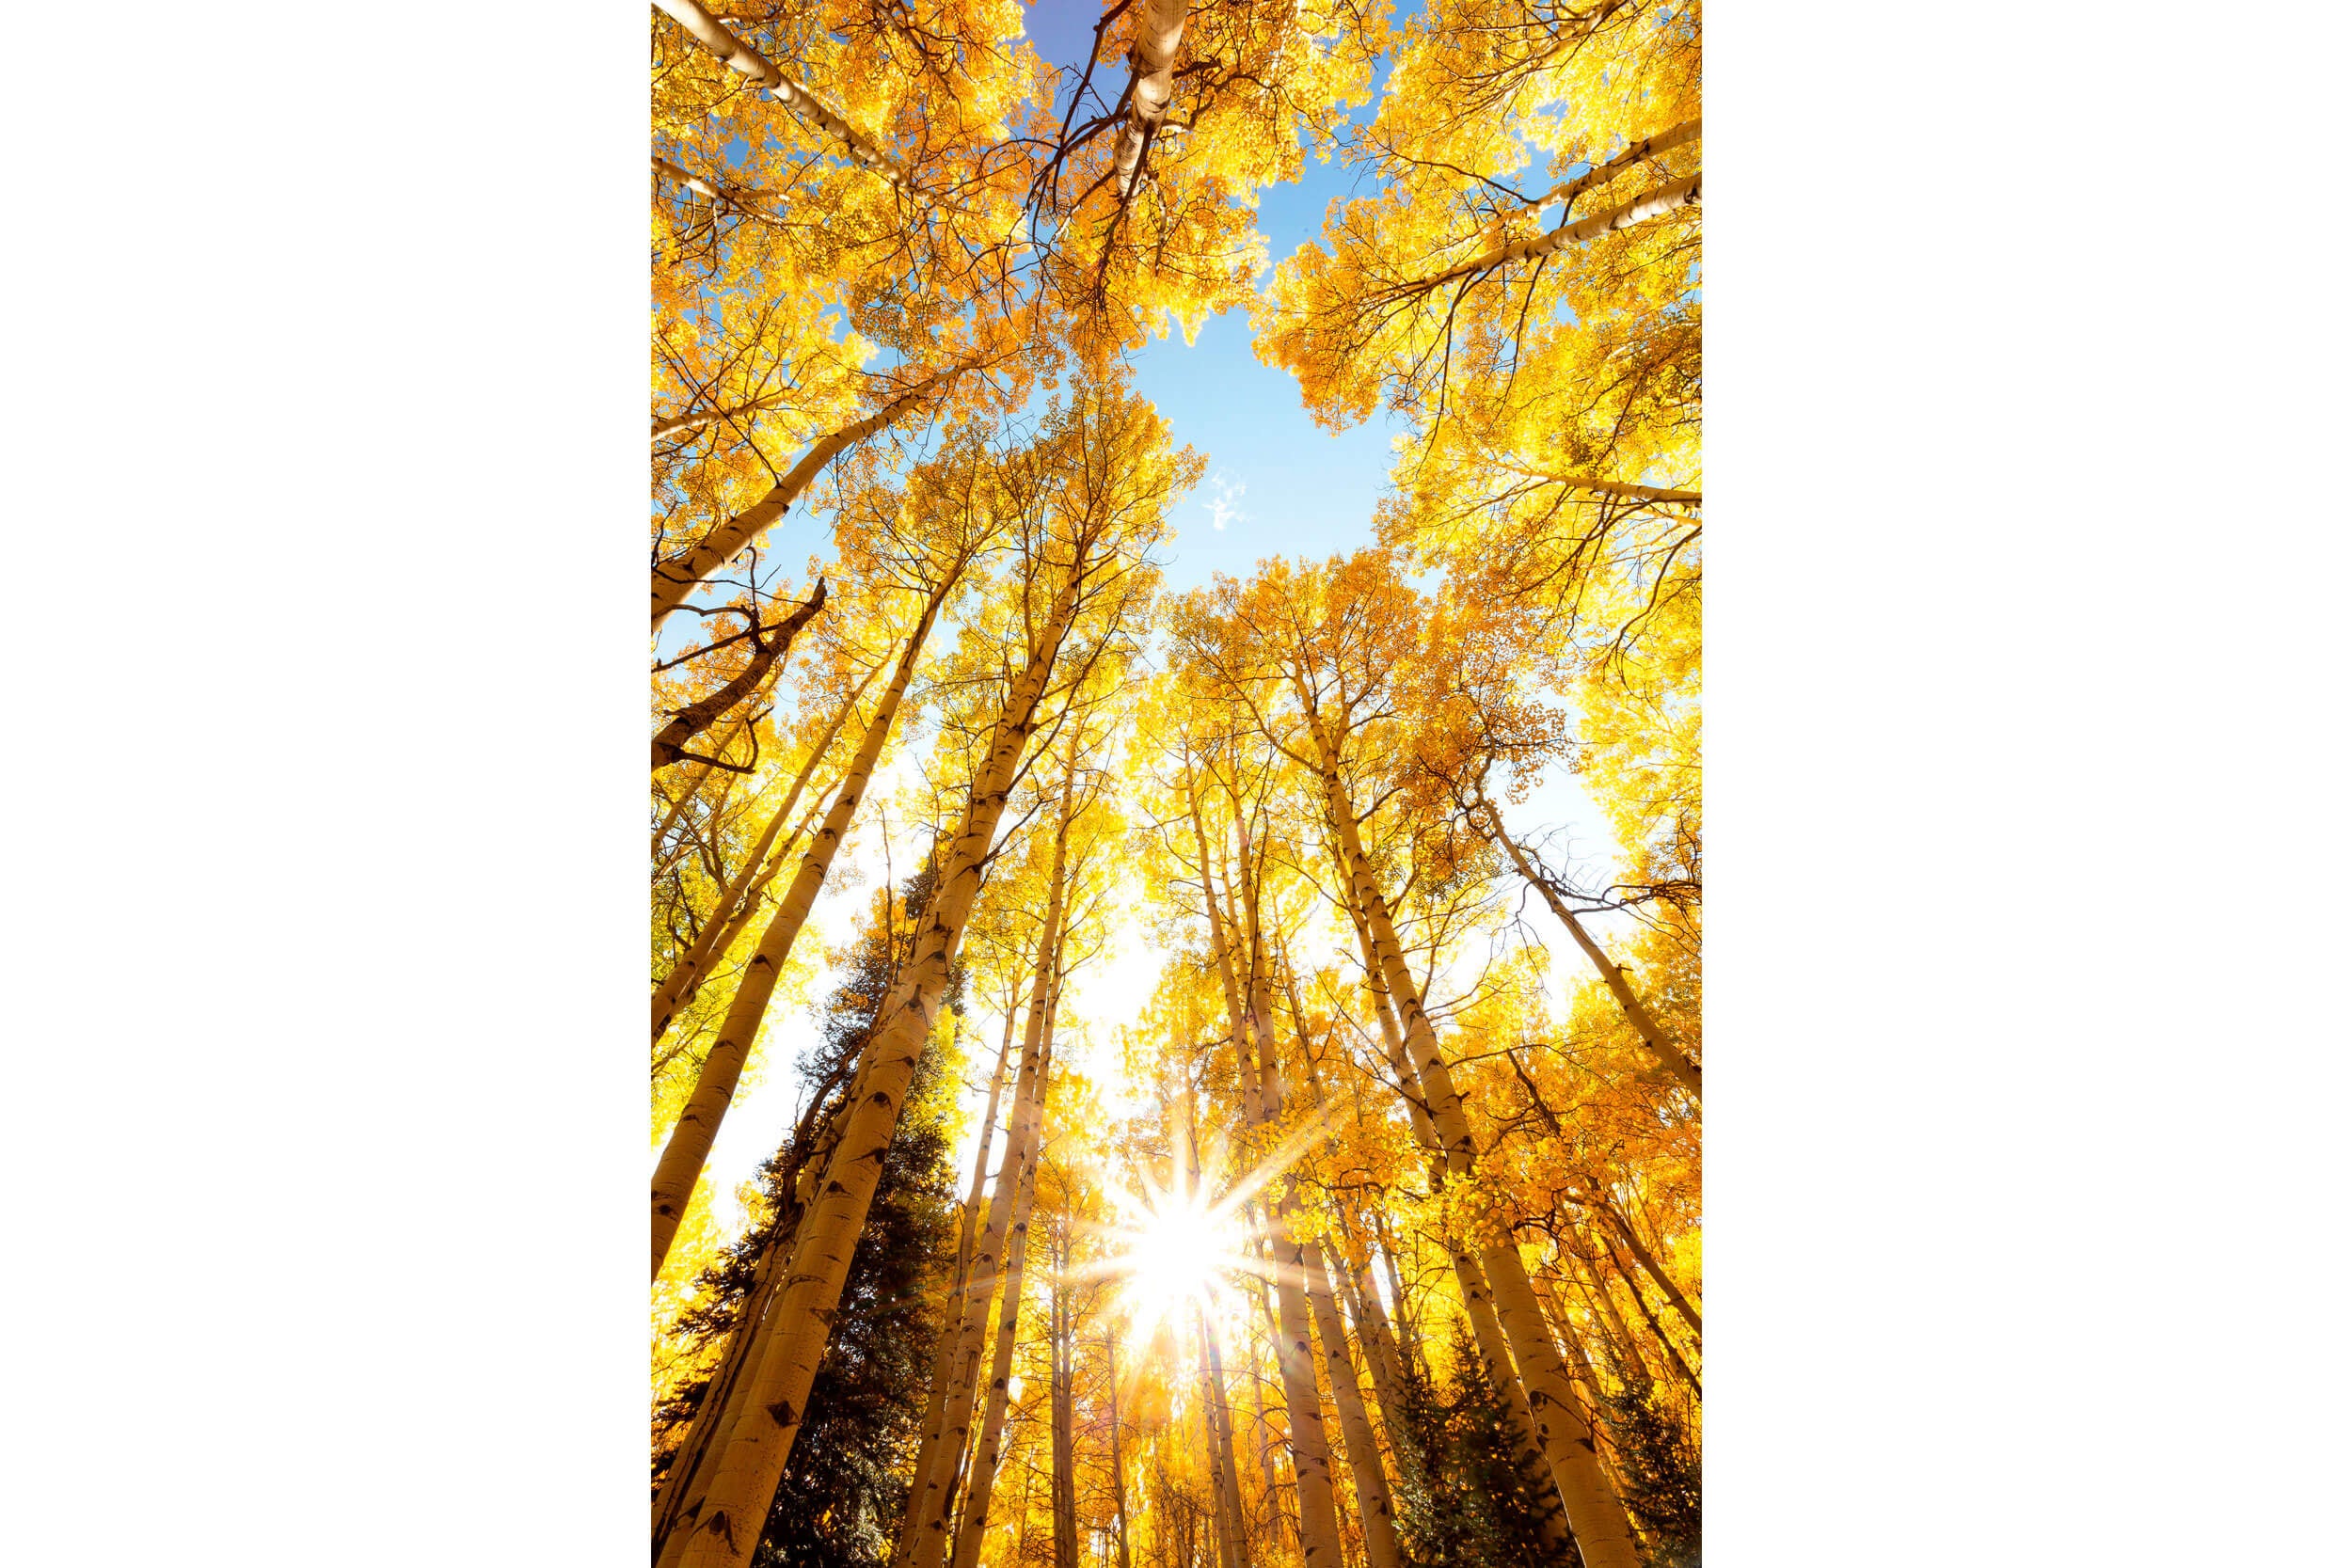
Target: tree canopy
x: 1229, y: 1121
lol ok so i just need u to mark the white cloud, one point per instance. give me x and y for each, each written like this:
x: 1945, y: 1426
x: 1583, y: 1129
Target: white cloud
x: 1221, y: 506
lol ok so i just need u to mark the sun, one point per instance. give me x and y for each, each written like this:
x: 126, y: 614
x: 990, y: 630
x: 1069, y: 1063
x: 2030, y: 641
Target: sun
x: 1172, y: 1250
x: 1176, y: 1252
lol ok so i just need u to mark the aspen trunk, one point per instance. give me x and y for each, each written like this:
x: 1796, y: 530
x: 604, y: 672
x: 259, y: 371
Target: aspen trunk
x: 678, y: 809
x: 1159, y: 27
x: 944, y: 1362
x: 723, y: 1404
x: 1624, y: 1228
x: 1381, y: 1355
x: 1225, y: 1476
x: 923, y: 1537
x: 690, y: 1142
x: 1065, y: 1447
x: 718, y: 1405
x: 1658, y: 1332
x: 736, y: 904
x: 741, y: 60
x: 681, y: 423
x: 669, y: 742
x: 971, y: 1529
x: 1686, y: 1072
x: 1649, y: 493
x: 745, y: 1482
x: 1225, y: 1472
x: 1311, y: 1452
x: 681, y: 574
x: 1602, y: 173
x: 1269, y: 1492
x: 1470, y: 1279
x: 1373, y: 1505
x: 692, y: 182
x: 1649, y: 205
x: 1119, y: 1469
x: 1594, y: 1514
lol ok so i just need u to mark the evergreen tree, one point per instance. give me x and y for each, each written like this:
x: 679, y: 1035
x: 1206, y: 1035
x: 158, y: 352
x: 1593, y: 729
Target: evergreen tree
x: 1469, y: 1495
x: 1658, y: 1457
x: 841, y: 1495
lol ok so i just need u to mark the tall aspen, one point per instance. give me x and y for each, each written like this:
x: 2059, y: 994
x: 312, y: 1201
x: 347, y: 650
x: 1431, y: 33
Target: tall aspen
x: 1159, y: 26
x: 924, y: 1535
x: 670, y: 741
x: 1563, y: 1430
x: 960, y: 1285
x: 741, y: 58
x: 972, y: 1528
x: 1118, y: 1468
x: 682, y: 1157
x: 736, y: 904
x: 755, y: 1456
x: 1311, y: 1452
x: 677, y: 576
x: 1663, y: 1046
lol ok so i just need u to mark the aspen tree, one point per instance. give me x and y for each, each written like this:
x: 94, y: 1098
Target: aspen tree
x: 1113, y: 491
x: 737, y: 901
x: 960, y: 1283
x: 676, y: 578
x: 924, y: 1535
x: 769, y: 644
x: 1686, y: 1072
x: 972, y: 1528
x: 690, y: 1142
x: 712, y: 35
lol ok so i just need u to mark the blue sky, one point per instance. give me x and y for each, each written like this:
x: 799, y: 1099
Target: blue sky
x: 1280, y: 485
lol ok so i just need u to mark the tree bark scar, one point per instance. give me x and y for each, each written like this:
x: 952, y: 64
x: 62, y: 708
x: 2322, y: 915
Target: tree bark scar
x: 781, y: 1413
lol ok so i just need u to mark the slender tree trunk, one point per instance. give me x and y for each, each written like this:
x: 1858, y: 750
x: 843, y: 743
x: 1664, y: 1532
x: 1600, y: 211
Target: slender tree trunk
x: 1615, y: 1331
x: 1624, y: 1228
x: 971, y: 1529
x: 1470, y: 1278
x: 741, y: 60
x: 943, y: 1363
x: 1119, y: 1469
x: 669, y: 742
x: 1563, y: 1432
x: 1381, y: 1355
x: 1310, y: 1453
x: 1657, y: 1331
x: 1650, y: 494
x: 1065, y: 1445
x: 690, y: 1142
x: 679, y: 424
x: 723, y: 1405
x: 1373, y: 1505
x: 1602, y: 174
x: 678, y: 809
x: 745, y: 1482
x: 1159, y: 27
x: 1649, y: 205
x: 1225, y: 1471
x: 679, y: 575
x: 717, y: 1402
x: 1686, y: 1072
x: 738, y: 903
x: 1225, y: 1476
x: 924, y: 1537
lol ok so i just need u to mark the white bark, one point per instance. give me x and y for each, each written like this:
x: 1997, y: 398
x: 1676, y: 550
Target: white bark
x: 1600, y: 174
x: 1159, y: 27
x: 1666, y: 198
x: 743, y: 60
